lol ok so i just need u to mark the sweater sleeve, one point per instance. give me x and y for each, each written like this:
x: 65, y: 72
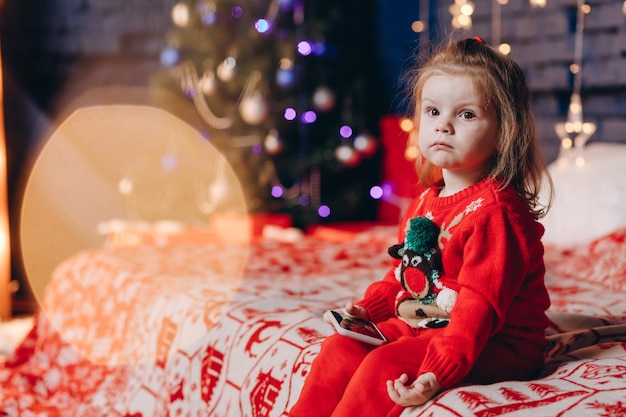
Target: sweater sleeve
x: 380, y: 296
x: 496, y: 252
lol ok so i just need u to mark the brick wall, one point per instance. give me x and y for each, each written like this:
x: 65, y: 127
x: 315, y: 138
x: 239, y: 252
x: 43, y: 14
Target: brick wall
x: 85, y: 43
x: 55, y: 50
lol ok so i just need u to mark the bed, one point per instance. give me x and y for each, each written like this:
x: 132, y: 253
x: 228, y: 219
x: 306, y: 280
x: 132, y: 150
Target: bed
x: 177, y: 321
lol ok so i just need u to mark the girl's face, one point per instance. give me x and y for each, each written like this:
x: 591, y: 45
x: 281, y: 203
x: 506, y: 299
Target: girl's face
x: 457, y: 130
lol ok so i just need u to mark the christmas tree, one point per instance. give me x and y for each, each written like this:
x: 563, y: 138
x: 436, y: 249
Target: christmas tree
x: 289, y: 91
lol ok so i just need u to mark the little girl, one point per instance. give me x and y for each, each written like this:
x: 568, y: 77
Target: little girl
x: 483, y: 171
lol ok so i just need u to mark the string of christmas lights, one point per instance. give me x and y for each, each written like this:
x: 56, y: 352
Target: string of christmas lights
x: 575, y: 132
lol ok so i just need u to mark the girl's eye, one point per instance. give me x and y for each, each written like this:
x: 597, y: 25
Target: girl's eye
x: 431, y: 111
x: 467, y: 115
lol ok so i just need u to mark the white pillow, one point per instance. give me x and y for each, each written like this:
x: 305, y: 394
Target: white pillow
x: 590, y: 200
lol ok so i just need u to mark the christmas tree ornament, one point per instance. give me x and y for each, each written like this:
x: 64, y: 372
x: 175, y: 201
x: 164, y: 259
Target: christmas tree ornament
x: 365, y: 144
x: 273, y: 143
x: 253, y: 108
x: 347, y: 155
x: 180, y: 14
x: 207, y: 83
x: 323, y: 99
x: 226, y: 69
x: 189, y: 81
x: 259, y: 74
x: 212, y: 189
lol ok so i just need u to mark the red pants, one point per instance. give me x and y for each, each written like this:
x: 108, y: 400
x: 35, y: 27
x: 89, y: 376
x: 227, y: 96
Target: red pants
x: 349, y: 377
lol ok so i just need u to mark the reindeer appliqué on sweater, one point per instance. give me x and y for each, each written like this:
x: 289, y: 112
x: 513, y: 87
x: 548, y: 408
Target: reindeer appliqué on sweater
x: 425, y: 300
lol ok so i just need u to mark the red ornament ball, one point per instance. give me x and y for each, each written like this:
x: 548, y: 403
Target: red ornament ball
x: 365, y: 144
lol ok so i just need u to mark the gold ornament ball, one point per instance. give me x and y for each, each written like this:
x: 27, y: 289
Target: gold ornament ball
x: 273, y: 144
x: 253, y: 109
x: 207, y: 83
x: 226, y: 69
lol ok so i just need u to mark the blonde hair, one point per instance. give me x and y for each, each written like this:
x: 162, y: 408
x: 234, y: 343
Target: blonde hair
x: 517, y: 161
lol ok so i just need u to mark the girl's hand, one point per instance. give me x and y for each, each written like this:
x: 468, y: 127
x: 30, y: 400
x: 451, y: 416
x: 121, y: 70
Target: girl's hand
x: 421, y: 390
x: 351, y: 309
x: 357, y: 311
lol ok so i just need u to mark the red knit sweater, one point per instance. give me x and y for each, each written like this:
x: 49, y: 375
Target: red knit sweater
x: 491, y: 245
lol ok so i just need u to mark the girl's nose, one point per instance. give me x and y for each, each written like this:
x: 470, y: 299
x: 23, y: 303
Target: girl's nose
x: 443, y: 127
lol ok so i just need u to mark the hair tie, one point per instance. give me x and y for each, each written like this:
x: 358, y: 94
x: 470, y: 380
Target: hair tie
x: 479, y: 39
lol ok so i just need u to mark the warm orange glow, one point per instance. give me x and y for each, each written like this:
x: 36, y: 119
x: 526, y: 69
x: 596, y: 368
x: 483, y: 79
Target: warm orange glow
x: 5, y: 254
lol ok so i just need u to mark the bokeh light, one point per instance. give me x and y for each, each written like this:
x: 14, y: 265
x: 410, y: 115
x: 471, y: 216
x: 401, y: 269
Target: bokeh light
x: 365, y: 144
x: 286, y: 63
x: 304, y: 200
x: 152, y: 183
x: 407, y: 125
x: 125, y: 186
x: 505, y: 48
x: 345, y: 131
x: 257, y: 148
x: 323, y: 211
x: 207, y: 11
x: 376, y: 192
x: 277, y: 191
x: 290, y: 113
x: 418, y: 26
x: 309, y: 117
x: 305, y: 48
x: 169, y: 162
x: 319, y: 48
x: 209, y: 19
x: 236, y: 12
x: 262, y: 26
x: 169, y: 57
x: 387, y: 189
x: 180, y: 15
x: 411, y: 153
x: 285, y: 78
x: 344, y: 153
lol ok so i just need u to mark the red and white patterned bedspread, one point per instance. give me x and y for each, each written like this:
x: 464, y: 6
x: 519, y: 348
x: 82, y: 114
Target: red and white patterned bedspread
x: 208, y: 329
